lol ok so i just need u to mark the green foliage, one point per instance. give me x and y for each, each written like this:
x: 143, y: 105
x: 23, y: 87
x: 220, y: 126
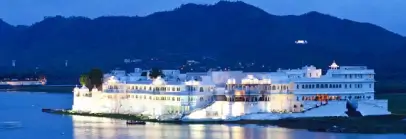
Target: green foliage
x: 84, y: 79
x: 155, y: 72
x: 144, y: 74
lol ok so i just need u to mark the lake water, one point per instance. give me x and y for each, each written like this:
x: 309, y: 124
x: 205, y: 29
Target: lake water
x: 25, y: 108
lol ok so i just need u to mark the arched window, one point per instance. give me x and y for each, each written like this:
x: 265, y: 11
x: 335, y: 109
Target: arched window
x: 201, y: 89
x: 273, y: 87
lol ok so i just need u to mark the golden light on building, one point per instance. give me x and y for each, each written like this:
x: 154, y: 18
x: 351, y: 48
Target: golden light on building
x: 239, y: 92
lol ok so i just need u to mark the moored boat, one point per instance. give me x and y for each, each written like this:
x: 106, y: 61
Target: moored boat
x: 134, y: 122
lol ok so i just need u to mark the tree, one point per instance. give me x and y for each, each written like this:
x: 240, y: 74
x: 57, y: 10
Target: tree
x: 144, y: 74
x: 84, y: 79
x: 155, y: 72
x: 96, y: 78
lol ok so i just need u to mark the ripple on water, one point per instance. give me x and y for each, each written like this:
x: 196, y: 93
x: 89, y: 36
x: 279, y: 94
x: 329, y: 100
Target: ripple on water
x: 18, y: 107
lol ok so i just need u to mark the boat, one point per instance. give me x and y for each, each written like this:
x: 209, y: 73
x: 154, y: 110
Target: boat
x: 134, y: 122
x: 46, y: 110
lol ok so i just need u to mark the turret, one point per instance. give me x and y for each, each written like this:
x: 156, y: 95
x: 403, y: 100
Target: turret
x: 84, y: 89
x: 76, y: 90
x: 95, y: 90
x: 334, y: 65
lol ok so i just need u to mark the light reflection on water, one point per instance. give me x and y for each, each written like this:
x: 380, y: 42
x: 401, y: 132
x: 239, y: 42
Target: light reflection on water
x: 92, y: 127
x: 25, y: 108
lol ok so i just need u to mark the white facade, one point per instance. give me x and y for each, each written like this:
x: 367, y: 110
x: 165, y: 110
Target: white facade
x: 227, y: 95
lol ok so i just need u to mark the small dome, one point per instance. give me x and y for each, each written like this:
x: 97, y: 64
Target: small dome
x: 84, y: 88
x: 334, y: 65
x: 94, y: 89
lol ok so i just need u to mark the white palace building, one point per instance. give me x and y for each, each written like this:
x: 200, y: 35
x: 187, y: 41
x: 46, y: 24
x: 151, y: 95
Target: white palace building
x: 233, y: 95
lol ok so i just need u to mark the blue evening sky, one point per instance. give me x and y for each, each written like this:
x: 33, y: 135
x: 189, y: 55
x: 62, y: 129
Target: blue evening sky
x: 390, y: 14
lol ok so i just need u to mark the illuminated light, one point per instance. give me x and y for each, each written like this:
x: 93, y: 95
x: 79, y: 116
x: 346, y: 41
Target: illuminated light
x: 159, y: 81
x: 301, y: 42
x: 239, y: 92
x: 112, y: 80
x: 231, y: 81
x: 192, y: 82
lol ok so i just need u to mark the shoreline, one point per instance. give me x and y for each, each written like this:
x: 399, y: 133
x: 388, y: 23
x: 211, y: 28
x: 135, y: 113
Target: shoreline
x: 379, y: 124
x: 55, y: 88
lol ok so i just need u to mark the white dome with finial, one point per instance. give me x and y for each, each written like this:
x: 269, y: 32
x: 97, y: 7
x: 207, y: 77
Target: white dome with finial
x: 334, y: 65
x: 84, y: 88
x: 94, y: 89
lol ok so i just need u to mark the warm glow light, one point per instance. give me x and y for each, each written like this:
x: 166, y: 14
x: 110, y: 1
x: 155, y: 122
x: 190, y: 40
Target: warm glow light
x: 239, y: 92
x: 159, y: 81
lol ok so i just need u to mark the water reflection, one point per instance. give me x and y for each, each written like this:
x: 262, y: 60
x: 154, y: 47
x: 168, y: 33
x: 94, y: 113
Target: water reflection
x: 26, y: 109
x: 92, y: 127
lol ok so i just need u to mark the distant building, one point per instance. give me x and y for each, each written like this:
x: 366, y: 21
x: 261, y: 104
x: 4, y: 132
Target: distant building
x: 301, y: 42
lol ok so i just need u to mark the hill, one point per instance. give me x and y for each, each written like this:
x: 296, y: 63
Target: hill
x: 227, y: 33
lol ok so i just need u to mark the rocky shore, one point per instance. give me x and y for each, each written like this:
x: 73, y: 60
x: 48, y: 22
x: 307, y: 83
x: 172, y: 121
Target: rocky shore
x: 380, y: 124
